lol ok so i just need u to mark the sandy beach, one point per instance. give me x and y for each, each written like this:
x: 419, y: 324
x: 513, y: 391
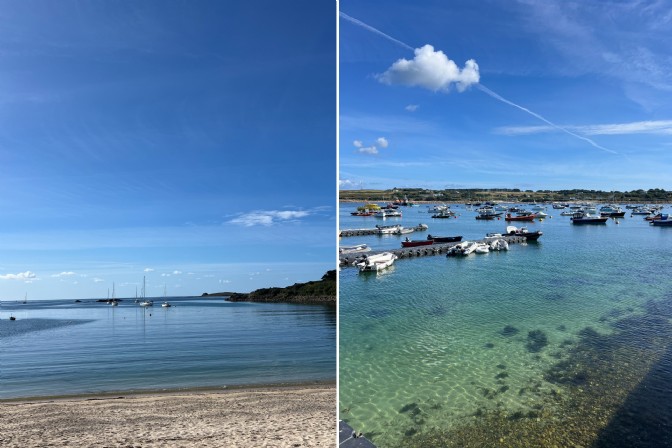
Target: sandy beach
x: 265, y: 417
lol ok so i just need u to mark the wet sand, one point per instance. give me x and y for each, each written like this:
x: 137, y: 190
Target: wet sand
x: 299, y: 416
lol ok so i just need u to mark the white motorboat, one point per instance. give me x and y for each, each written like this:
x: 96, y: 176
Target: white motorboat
x: 404, y: 231
x: 493, y: 237
x: 541, y: 214
x: 387, y: 230
x: 482, y: 248
x: 464, y: 248
x: 388, y: 213
x: 375, y: 263
x: 500, y: 244
x: 166, y: 305
x: 147, y: 303
x: 353, y: 249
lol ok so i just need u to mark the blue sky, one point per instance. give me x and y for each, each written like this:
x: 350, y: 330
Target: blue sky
x: 189, y: 142
x: 516, y: 94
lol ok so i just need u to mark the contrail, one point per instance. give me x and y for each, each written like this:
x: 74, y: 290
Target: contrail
x: 373, y: 30
x: 480, y: 86
x: 484, y: 89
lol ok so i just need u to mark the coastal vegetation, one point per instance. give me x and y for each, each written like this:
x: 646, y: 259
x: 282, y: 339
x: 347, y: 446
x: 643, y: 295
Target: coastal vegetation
x: 321, y: 291
x: 653, y: 195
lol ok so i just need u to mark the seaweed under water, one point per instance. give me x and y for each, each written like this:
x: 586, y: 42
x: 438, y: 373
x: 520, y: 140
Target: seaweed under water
x: 613, y: 391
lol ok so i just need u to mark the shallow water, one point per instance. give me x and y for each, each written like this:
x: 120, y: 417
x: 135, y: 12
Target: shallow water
x: 424, y: 354
x: 58, y: 347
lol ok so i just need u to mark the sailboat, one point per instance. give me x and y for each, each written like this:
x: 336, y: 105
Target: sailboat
x: 113, y: 301
x: 165, y: 304
x: 145, y: 302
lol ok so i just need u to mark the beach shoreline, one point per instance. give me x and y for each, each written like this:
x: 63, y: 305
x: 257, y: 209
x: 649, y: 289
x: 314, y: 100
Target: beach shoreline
x: 288, y: 415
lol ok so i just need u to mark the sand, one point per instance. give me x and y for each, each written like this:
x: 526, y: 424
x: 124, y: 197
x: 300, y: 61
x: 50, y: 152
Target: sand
x: 268, y: 417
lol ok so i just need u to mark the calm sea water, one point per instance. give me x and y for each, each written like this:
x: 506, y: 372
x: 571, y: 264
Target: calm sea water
x: 564, y: 342
x: 59, y: 347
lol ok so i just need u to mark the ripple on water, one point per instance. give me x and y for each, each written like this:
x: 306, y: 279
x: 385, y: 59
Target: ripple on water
x: 485, y: 348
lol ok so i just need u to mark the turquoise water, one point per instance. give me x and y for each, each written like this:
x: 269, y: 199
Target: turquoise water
x: 59, y: 347
x: 440, y: 351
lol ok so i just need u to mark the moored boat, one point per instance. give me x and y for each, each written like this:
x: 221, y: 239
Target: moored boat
x: 462, y: 249
x: 375, y: 263
x: 587, y: 218
x: 387, y: 230
x: 524, y: 232
x: 444, y: 239
x: 482, y: 248
x: 510, y: 217
x: 414, y: 243
x: 612, y: 211
x: 353, y: 249
x: 664, y: 221
x: 388, y: 213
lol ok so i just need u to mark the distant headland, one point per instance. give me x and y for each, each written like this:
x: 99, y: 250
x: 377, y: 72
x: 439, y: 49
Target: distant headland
x: 321, y: 292
x: 654, y: 195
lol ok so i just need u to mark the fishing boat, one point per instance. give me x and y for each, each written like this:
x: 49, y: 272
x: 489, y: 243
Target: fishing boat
x: 375, y: 263
x: 524, y: 232
x: 510, y: 217
x: 444, y: 239
x: 415, y: 243
x: 587, y: 218
x: 353, y: 249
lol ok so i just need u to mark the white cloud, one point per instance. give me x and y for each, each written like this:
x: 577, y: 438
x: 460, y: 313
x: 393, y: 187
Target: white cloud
x: 165, y: 275
x: 382, y: 142
x: 357, y: 143
x: 98, y: 280
x: 177, y: 272
x: 432, y: 70
x: 149, y: 270
x: 20, y: 276
x: 412, y: 107
x: 224, y: 281
x: 64, y: 274
x: 268, y: 217
x: 368, y: 150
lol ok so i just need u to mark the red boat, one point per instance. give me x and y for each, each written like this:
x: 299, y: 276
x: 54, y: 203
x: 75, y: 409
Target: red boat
x: 510, y: 217
x: 414, y: 243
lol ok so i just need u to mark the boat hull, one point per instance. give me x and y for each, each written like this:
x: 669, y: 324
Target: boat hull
x: 520, y: 218
x: 444, y: 239
x: 415, y: 243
